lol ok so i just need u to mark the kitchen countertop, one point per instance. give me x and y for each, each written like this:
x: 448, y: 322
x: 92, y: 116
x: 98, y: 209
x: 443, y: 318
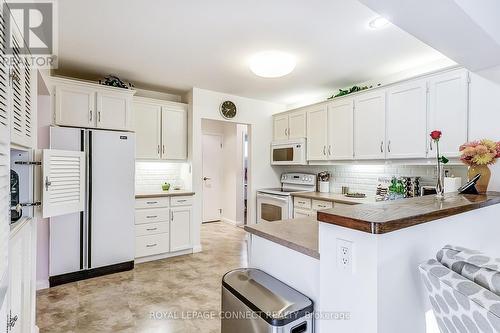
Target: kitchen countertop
x: 388, y: 216
x: 171, y: 193
x: 297, y: 234
x: 334, y: 197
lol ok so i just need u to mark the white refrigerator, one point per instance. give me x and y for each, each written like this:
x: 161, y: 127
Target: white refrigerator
x: 100, y: 240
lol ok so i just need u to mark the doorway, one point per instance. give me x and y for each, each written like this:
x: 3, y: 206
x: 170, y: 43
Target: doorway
x: 225, y: 171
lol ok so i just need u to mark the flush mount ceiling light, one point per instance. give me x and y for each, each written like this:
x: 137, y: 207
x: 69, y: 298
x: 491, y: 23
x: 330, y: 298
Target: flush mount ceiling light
x: 271, y: 64
x: 378, y: 23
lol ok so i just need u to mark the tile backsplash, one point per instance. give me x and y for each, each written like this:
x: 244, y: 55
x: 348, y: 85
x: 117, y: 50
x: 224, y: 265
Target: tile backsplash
x: 365, y: 178
x: 149, y: 175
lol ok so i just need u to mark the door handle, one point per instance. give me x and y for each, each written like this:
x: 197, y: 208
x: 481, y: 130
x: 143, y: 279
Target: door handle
x: 206, y: 178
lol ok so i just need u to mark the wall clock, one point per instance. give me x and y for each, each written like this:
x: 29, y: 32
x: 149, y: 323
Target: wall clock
x: 228, y: 109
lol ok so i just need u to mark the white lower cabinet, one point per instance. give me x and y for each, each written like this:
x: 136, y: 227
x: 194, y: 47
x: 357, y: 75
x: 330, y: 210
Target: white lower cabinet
x: 304, y: 207
x: 162, y: 227
x: 21, y: 293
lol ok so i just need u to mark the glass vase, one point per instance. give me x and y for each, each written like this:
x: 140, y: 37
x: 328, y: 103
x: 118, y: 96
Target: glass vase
x: 440, y: 182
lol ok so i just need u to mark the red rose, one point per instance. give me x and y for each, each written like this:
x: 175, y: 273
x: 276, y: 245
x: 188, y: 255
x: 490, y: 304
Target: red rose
x: 436, y: 135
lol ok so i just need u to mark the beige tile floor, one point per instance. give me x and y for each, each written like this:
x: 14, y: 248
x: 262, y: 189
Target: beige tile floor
x: 181, y: 286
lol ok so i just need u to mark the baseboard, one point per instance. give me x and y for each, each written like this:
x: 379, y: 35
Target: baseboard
x: 42, y: 284
x: 197, y: 248
x: 163, y: 256
x: 231, y: 222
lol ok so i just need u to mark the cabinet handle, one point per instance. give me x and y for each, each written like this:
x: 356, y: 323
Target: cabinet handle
x: 430, y: 144
x: 99, y: 116
x: 90, y: 115
x: 151, y: 229
x: 330, y: 150
x: 158, y: 150
x: 163, y: 150
x: 151, y: 216
x: 389, y: 146
x: 151, y: 202
x: 151, y: 245
x: 286, y: 131
x: 171, y: 216
x: 381, y: 146
x: 181, y: 200
x: 324, y: 150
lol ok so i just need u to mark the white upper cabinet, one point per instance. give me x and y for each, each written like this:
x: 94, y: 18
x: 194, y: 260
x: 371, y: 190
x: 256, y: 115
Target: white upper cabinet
x: 317, y: 133
x: 90, y: 105
x: 290, y: 125
x: 340, y: 129
x: 297, y: 125
x: 74, y: 106
x: 147, y: 125
x: 113, y: 111
x: 369, y: 125
x: 161, y: 129
x: 448, y: 111
x: 406, y: 120
x: 174, y: 132
x: 281, y: 127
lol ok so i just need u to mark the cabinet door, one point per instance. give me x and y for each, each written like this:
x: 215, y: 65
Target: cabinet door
x: 448, y: 111
x: 173, y: 133
x: 180, y: 228
x: 340, y: 129
x: 63, y: 177
x: 406, y: 120
x: 113, y: 111
x: 147, y: 125
x: 317, y: 133
x: 75, y: 106
x: 280, y: 127
x: 297, y: 125
x: 369, y: 125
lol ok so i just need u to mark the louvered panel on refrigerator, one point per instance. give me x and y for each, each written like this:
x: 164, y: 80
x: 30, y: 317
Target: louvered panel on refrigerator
x: 63, y: 182
x: 4, y: 205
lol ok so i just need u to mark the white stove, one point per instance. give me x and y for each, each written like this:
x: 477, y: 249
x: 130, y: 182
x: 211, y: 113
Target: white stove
x: 276, y: 204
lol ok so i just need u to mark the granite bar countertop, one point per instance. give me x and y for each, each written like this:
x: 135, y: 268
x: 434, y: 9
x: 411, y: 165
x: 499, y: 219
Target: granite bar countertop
x: 171, y: 193
x: 388, y: 216
x: 297, y: 234
x: 334, y: 197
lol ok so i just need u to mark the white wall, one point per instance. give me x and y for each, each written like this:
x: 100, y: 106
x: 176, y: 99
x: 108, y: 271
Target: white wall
x: 485, y: 115
x: 204, y: 104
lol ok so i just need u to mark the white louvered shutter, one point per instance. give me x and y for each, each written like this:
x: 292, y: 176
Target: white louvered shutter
x: 4, y: 157
x: 17, y: 133
x: 63, y: 181
x: 27, y: 104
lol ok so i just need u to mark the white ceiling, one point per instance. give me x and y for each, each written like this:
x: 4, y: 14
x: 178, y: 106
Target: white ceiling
x: 175, y: 45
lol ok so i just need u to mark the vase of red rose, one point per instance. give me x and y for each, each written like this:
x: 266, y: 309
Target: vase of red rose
x: 441, y: 161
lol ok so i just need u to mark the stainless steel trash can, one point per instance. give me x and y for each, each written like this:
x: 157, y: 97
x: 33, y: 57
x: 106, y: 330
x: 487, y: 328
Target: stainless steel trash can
x: 255, y: 302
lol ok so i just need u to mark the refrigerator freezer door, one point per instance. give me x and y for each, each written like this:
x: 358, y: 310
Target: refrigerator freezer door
x: 112, y: 174
x: 67, y: 234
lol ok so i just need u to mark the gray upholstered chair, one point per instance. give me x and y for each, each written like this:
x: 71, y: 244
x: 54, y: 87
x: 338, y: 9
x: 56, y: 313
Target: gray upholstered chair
x: 464, y: 290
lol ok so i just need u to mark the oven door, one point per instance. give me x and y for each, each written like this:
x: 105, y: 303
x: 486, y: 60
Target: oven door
x: 272, y: 208
x: 288, y: 153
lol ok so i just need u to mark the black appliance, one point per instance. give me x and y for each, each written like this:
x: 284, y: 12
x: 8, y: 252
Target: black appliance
x: 15, y: 214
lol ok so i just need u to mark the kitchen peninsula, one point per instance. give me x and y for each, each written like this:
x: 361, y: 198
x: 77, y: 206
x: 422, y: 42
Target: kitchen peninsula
x: 378, y: 287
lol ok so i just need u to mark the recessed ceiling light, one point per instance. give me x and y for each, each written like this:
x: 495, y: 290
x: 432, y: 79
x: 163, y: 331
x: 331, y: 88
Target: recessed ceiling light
x: 378, y: 22
x: 272, y: 64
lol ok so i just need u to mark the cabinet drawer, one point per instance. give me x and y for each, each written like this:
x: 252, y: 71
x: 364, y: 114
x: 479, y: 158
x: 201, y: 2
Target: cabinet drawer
x: 301, y: 213
x: 151, y: 228
x: 152, y: 215
x: 152, y: 202
x: 151, y: 245
x: 301, y: 203
x: 181, y: 201
x: 320, y: 205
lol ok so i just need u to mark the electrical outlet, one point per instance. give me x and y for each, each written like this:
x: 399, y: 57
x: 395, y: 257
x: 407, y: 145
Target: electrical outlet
x: 344, y: 255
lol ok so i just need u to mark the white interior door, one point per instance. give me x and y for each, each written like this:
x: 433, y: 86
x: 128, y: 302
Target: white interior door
x: 212, y: 177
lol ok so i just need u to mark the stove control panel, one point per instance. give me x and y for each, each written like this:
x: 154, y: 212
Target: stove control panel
x: 298, y: 179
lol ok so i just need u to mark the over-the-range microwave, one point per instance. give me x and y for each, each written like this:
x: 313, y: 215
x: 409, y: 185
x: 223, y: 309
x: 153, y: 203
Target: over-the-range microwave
x: 289, y: 152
